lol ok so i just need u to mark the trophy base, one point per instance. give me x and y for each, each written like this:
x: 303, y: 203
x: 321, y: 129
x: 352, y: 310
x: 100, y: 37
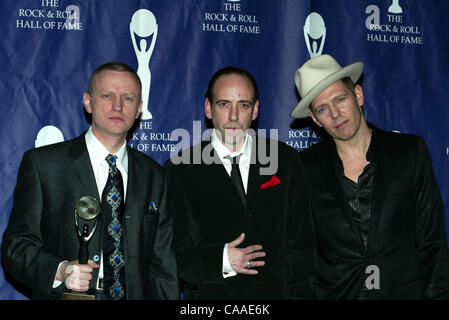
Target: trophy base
x: 77, y: 296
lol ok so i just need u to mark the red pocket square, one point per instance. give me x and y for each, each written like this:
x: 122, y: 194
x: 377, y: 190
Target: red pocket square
x: 272, y: 182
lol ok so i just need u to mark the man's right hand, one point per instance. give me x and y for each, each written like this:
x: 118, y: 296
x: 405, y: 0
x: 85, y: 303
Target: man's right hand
x: 76, y: 276
x: 239, y: 257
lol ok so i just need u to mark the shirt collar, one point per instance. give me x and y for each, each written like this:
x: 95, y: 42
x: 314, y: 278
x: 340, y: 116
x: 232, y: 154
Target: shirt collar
x: 223, y: 152
x: 372, y: 145
x: 98, y: 152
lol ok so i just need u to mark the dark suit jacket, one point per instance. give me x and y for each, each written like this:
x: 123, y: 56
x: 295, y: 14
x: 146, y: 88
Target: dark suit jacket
x: 407, y: 238
x: 212, y: 215
x: 41, y: 231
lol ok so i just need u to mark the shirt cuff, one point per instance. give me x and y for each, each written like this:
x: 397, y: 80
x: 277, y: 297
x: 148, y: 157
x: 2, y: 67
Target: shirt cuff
x: 57, y: 283
x: 227, y: 270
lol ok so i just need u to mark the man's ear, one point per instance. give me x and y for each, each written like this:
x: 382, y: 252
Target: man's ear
x: 358, y: 92
x: 208, y: 109
x: 139, y: 110
x: 255, y: 110
x: 87, y: 102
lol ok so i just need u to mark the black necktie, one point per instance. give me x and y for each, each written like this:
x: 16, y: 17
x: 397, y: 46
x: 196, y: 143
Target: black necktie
x: 113, y: 250
x: 236, y: 178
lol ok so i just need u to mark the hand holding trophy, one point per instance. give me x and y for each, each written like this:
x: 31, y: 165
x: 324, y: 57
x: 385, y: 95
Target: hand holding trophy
x: 78, y: 274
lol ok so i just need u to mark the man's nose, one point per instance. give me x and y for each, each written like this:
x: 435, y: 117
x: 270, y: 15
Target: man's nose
x: 334, y: 111
x: 117, y: 104
x: 234, y: 114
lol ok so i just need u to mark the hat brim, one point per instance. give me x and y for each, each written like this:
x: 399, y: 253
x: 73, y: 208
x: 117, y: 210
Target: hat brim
x: 354, y: 71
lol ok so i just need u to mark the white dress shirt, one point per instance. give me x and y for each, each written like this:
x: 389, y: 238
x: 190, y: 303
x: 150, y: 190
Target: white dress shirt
x: 97, y: 154
x: 244, y: 164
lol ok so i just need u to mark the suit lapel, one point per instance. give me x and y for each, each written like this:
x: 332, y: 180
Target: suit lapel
x: 135, y: 181
x: 81, y: 167
x: 216, y: 165
x: 382, y: 168
x: 255, y: 178
x: 218, y: 173
x: 334, y: 186
x: 142, y: 186
x: 81, y: 170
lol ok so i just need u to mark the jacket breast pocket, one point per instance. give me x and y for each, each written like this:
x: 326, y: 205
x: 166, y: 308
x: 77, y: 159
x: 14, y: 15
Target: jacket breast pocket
x: 274, y: 188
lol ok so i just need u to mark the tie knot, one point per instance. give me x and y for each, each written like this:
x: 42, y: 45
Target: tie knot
x: 234, y: 160
x: 111, y: 160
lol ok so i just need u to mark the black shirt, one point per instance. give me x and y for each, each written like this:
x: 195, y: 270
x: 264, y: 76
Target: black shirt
x: 359, y: 197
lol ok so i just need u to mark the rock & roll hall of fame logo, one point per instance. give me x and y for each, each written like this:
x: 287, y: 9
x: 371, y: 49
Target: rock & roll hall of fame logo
x: 314, y: 34
x: 143, y: 25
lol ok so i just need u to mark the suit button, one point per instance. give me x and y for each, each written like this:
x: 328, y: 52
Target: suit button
x: 96, y: 258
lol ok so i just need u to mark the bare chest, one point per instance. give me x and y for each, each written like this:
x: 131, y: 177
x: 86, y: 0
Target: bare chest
x: 353, y: 168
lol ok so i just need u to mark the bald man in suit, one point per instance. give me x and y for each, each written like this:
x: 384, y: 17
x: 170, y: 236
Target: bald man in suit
x: 40, y: 245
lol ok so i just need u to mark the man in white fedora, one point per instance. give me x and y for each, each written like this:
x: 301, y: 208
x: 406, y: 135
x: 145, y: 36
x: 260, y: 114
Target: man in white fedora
x: 375, y: 204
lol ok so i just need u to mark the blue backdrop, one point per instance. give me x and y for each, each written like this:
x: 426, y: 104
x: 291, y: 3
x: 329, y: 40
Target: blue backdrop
x: 50, y: 47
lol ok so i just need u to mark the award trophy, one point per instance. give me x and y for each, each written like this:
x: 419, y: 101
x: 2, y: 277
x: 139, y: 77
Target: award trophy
x: 86, y: 212
x: 314, y: 29
x: 143, y: 24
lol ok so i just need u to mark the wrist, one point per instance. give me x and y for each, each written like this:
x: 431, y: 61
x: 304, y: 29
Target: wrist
x: 60, y: 274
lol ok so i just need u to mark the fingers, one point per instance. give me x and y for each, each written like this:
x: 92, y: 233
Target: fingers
x: 77, y: 276
x: 244, y: 267
x: 76, y: 282
x: 237, y: 241
x: 251, y: 272
x: 252, y: 248
x: 255, y: 264
x: 93, y: 264
x: 239, y: 258
x: 248, y: 262
x: 255, y: 255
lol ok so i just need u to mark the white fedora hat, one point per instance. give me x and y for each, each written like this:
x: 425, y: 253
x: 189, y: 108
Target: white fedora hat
x: 316, y: 75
